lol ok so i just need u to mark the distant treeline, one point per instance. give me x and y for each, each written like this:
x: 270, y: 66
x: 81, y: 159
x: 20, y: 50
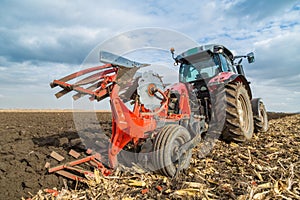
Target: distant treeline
x: 277, y: 115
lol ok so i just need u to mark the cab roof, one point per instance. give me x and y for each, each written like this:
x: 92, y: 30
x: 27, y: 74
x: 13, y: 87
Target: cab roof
x: 211, y: 48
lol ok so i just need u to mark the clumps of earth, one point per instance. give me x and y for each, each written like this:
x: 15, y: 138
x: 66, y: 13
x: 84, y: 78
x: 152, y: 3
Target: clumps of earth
x: 267, y: 167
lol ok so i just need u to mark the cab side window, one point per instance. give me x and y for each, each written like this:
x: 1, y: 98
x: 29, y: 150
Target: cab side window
x: 226, y: 64
x: 223, y: 63
x: 231, y: 68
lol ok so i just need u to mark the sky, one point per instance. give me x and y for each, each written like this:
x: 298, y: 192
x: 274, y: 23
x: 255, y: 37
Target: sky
x: 46, y: 40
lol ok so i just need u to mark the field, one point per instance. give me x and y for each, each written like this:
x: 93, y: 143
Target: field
x: 268, y: 166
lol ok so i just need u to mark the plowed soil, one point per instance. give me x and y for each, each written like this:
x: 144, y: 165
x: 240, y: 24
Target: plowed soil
x: 268, y: 166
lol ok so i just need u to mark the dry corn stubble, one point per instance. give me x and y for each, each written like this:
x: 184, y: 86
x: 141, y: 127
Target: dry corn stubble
x: 267, y: 167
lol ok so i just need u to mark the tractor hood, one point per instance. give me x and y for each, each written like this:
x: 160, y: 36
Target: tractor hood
x: 211, y: 48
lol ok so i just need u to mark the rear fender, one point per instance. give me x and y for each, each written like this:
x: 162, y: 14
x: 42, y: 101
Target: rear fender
x: 229, y: 77
x: 255, y: 106
x: 241, y: 78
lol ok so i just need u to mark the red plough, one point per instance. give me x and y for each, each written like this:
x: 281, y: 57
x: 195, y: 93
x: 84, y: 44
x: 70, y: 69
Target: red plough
x: 142, y: 124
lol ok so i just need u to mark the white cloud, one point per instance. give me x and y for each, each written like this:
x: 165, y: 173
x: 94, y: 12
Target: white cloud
x: 26, y: 84
x: 277, y: 98
x: 43, y: 40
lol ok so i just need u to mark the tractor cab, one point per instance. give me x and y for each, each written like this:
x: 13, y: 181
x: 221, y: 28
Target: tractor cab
x: 208, y: 61
x: 204, y: 63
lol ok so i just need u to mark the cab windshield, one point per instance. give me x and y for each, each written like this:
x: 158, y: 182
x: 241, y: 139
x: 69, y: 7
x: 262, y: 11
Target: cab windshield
x: 203, y: 67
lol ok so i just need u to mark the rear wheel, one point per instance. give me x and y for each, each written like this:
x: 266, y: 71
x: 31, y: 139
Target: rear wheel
x: 238, y: 125
x: 169, y: 140
x: 261, y: 121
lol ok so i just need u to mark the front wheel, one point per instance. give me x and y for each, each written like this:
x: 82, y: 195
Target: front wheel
x: 261, y: 121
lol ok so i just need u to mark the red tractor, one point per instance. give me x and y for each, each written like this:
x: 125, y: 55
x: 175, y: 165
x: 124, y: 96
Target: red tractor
x: 223, y: 90
x: 165, y: 123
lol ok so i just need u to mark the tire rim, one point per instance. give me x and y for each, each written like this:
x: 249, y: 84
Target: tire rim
x: 242, y: 111
x: 263, y: 116
x: 174, y: 151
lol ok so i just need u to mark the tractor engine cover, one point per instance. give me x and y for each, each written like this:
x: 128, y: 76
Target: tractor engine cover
x: 147, y: 81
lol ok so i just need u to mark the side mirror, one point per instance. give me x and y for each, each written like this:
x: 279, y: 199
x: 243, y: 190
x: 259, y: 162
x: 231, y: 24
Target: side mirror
x: 250, y: 57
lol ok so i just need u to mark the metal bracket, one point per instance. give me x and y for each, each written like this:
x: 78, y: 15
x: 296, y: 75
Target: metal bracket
x: 94, y: 160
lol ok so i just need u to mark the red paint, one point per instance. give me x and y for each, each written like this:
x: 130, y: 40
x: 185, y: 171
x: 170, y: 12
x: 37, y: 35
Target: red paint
x: 127, y: 125
x: 221, y: 77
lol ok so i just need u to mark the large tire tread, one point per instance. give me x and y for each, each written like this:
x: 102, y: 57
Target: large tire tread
x: 164, y: 143
x: 232, y: 131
